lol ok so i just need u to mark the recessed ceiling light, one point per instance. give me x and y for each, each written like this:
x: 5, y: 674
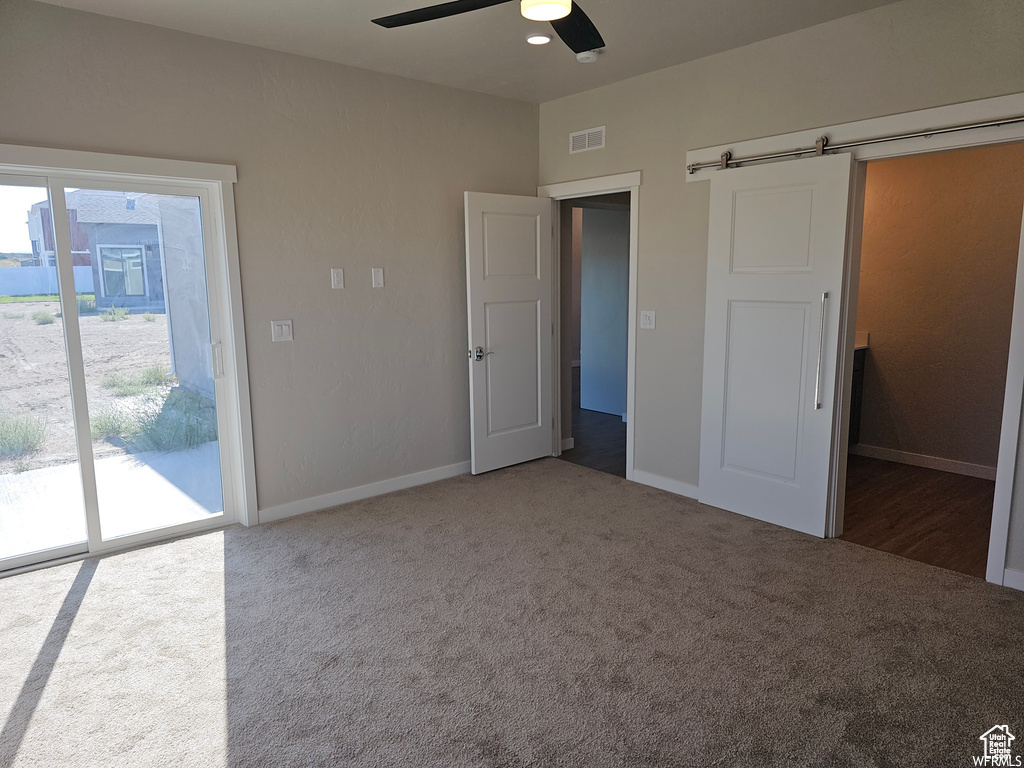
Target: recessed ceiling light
x: 538, y: 39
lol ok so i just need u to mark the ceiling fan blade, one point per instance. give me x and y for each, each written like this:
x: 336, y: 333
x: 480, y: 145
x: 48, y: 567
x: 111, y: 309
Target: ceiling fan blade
x: 435, y: 12
x: 578, y: 31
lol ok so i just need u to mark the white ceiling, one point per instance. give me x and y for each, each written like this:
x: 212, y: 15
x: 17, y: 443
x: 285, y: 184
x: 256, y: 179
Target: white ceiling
x: 486, y: 50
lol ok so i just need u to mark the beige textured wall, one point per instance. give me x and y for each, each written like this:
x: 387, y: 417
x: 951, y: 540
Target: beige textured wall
x: 337, y: 167
x: 938, y: 264
x: 567, y: 316
x: 910, y: 55
x: 577, y: 282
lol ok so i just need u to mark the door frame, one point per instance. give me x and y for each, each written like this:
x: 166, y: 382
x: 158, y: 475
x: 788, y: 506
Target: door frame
x: 592, y: 187
x: 985, y: 110
x: 213, y: 184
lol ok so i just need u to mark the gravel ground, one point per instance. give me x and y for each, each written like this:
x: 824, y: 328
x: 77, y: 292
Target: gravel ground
x: 34, y: 372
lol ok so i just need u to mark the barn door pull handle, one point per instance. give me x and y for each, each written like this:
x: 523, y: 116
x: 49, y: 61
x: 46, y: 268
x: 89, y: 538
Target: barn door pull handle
x: 821, y: 350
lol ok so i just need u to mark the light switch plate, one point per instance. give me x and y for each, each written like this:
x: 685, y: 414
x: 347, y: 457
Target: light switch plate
x: 337, y: 279
x: 280, y: 330
x: 378, y: 277
x: 647, y: 319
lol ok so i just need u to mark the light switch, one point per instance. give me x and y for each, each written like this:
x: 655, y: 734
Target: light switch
x: 337, y: 279
x: 378, y: 277
x: 647, y: 319
x: 281, y: 330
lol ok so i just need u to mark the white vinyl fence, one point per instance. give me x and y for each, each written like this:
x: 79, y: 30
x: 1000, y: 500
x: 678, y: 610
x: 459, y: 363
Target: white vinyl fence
x: 30, y: 281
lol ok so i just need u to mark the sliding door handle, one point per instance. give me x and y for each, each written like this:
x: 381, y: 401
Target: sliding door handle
x: 821, y: 352
x: 217, y: 355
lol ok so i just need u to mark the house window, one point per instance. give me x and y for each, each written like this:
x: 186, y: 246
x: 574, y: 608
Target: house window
x: 122, y: 271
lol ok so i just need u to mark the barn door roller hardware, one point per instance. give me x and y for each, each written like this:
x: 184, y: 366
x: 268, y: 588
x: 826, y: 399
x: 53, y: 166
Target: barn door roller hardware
x: 822, y: 145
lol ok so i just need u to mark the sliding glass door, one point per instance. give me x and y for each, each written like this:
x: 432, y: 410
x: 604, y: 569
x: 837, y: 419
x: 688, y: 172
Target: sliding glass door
x: 144, y: 317
x: 42, y: 508
x: 110, y: 380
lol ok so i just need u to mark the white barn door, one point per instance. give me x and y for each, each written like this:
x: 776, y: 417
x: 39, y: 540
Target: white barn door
x: 776, y: 250
x: 509, y: 281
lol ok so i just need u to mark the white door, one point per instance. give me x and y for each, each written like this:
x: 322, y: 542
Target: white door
x: 509, y: 282
x: 776, y: 251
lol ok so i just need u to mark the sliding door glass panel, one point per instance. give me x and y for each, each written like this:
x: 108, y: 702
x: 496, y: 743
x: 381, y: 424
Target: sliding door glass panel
x: 145, y: 323
x: 41, y: 502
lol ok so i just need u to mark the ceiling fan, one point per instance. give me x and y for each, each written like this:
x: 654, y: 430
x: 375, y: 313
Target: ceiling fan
x: 567, y: 18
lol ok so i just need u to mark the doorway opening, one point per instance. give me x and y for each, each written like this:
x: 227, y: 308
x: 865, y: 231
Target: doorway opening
x: 932, y: 308
x: 595, y: 273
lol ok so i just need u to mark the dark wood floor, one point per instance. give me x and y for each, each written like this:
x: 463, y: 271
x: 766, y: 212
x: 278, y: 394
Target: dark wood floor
x: 933, y: 517
x: 599, y: 439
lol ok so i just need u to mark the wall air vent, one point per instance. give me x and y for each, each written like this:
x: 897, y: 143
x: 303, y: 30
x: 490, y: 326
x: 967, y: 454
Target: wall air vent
x: 584, y: 141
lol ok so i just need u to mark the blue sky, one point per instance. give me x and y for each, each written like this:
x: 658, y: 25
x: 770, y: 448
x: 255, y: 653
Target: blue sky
x: 14, y: 205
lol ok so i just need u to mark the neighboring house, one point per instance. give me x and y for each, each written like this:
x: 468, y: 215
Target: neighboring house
x: 118, y: 236
x: 136, y: 244
x: 40, y: 232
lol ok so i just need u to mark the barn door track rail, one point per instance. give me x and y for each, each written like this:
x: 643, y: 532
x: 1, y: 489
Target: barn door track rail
x: 821, y: 146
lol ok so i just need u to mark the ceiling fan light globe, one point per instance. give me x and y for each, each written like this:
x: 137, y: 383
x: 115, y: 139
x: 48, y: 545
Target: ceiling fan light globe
x: 545, y: 10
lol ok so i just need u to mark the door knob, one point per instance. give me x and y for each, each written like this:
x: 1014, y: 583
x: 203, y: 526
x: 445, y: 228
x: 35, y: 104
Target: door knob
x: 479, y: 354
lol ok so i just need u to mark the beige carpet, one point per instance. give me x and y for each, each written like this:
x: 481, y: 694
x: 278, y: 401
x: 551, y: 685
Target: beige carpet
x: 544, y: 615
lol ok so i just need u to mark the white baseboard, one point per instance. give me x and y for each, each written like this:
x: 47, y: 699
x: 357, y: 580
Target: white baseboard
x: 328, y: 500
x: 1013, y: 579
x: 568, y: 444
x: 929, y: 462
x: 672, y: 486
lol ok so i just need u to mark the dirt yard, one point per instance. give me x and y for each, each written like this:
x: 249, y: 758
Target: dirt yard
x: 34, y: 373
